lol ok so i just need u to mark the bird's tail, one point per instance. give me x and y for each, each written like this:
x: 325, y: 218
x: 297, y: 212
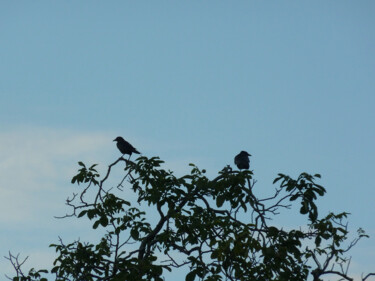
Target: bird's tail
x: 136, y: 151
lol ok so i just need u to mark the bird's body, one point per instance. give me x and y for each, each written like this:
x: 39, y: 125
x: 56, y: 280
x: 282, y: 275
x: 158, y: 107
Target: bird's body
x: 125, y: 147
x: 242, y: 160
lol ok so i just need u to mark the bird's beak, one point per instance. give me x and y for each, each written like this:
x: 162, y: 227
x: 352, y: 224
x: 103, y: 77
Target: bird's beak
x: 114, y: 140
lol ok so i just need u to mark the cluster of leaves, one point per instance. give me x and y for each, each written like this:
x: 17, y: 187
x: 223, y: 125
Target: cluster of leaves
x: 217, y: 228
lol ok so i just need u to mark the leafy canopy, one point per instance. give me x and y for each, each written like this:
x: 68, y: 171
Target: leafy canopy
x: 216, y: 228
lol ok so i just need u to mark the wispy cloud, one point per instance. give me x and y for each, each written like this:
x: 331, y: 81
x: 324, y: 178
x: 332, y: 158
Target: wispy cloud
x: 35, y: 161
x: 36, y: 166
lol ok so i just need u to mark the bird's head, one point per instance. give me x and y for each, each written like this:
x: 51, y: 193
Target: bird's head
x: 118, y: 139
x: 245, y: 153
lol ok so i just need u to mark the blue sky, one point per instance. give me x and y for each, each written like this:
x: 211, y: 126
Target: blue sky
x: 190, y: 81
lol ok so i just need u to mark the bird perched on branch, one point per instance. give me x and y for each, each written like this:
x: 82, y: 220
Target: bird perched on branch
x: 242, y: 160
x: 125, y: 147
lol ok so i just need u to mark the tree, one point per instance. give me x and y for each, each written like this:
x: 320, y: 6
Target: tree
x: 215, y: 227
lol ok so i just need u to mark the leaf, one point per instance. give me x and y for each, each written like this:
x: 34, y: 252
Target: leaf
x: 92, y: 167
x: 273, y: 231
x: 219, y: 201
x: 81, y: 214
x: 74, y: 179
x: 91, y: 213
x: 215, y: 254
x: 303, y: 209
x: 320, y: 189
x: 294, y: 197
x: 318, y: 240
x: 134, y: 234
x: 313, y: 215
x: 158, y: 270
x: 190, y: 276
x: 104, y: 221
x: 96, y: 224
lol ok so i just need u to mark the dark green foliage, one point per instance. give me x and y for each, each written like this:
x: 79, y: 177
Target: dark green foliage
x: 215, y: 227
x: 303, y: 188
x: 86, y: 175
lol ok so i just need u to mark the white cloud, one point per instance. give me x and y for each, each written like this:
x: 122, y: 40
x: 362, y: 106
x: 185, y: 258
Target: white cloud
x: 35, y: 164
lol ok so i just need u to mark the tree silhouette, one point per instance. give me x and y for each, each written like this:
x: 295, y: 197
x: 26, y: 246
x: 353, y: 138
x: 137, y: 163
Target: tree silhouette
x: 217, y: 228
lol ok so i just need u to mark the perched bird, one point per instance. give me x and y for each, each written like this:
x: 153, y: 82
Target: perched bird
x: 242, y: 160
x: 125, y: 147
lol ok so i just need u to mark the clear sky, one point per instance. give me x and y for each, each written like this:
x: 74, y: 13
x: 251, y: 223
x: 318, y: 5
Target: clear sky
x: 291, y: 82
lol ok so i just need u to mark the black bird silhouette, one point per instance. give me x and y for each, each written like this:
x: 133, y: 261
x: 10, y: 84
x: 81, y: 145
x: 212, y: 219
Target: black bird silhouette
x: 242, y: 160
x: 125, y: 147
